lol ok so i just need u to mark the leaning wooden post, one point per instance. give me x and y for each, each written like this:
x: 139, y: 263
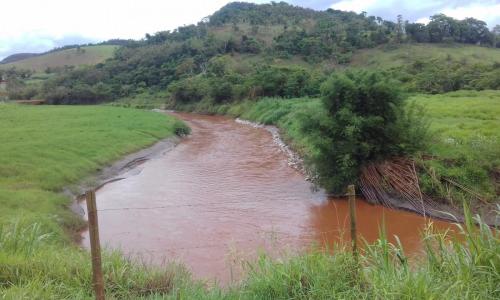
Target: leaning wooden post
x: 351, y: 192
x: 95, y: 247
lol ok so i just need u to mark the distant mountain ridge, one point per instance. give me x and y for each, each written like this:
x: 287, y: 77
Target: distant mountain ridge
x: 63, y: 58
x: 22, y: 56
x: 17, y: 56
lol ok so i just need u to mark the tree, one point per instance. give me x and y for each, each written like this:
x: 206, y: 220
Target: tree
x: 496, y: 34
x: 363, y: 111
x: 221, y: 90
x: 443, y: 28
x: 474, y: 31
x: 400, y: 29
x: 417, y: 32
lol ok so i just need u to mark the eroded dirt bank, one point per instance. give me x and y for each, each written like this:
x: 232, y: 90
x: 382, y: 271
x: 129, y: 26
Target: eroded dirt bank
x: 224, y: 193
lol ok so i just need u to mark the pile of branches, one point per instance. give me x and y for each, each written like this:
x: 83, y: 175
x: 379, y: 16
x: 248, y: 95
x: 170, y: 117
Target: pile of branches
x: 394, y: 183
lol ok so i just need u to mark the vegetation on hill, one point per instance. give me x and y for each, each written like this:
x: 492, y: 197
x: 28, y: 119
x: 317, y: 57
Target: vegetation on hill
x: 21, y: 56
x: 26, y: 77
x: 305, y: 44
x: 390, y: 56
x: 61, y: 59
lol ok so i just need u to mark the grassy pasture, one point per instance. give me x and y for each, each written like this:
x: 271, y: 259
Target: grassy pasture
x: 466, y: 142
x: 89, y: 55
x: 46, y: 148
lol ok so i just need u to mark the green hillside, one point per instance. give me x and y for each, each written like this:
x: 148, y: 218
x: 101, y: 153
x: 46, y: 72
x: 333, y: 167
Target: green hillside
x: 89, y: 55
x: 247, y: 50
x: 394, y: 56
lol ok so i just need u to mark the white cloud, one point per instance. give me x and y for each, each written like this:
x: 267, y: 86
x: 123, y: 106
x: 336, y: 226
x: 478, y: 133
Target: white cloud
x: 101, y: 19
x: 490, y: 13
x: 372, y: 6
x: 423, y: 20
x: 354, y: 5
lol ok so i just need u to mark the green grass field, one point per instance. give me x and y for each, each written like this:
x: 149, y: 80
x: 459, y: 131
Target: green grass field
x: 44, y: 149
x: 466, y: 141
x: 89, y: 55
x: 47, y: 148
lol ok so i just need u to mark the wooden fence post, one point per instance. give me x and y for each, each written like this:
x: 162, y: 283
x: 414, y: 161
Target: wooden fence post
x: 95, y: 247
x: 351, y: 192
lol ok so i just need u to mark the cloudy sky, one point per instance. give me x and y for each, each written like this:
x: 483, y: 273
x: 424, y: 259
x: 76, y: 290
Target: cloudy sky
x: 37, y: 26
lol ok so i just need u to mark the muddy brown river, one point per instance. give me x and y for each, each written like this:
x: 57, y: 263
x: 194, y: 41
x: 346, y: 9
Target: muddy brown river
x: 225, y: 194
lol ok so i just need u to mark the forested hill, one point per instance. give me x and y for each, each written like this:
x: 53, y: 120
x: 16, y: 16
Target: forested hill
x: 247, y: 50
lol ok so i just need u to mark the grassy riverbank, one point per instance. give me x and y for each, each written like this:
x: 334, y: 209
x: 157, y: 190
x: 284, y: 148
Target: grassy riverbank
x: 43, y: 150
x: 466, y: 143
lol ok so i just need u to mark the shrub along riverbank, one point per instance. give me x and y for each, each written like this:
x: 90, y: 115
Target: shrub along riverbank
x: 51, y: 147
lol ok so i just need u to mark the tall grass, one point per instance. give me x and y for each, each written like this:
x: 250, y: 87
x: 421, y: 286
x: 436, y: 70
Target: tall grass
x: 466, y: 267
x: 34, y: 267
x: 462, y: 268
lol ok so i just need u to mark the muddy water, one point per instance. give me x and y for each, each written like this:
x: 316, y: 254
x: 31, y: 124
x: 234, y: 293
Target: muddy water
x: 222, y: 195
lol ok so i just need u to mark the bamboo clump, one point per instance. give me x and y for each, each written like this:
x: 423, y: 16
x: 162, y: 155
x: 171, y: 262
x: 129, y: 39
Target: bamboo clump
x: 394, y: 180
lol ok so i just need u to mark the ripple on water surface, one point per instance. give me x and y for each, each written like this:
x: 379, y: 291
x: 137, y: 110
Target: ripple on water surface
x: 225, y: 193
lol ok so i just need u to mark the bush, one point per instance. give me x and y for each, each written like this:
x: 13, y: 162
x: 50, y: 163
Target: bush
x: 221, y: 91
x: 189, y: 90
x: 79, y: 94
x: 181, y: 129
x: 366, y: 123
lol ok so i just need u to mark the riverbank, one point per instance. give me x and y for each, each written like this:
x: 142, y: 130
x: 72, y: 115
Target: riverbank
x: 460, y: 165
x: 47, y: 149
x: 117, y: 171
